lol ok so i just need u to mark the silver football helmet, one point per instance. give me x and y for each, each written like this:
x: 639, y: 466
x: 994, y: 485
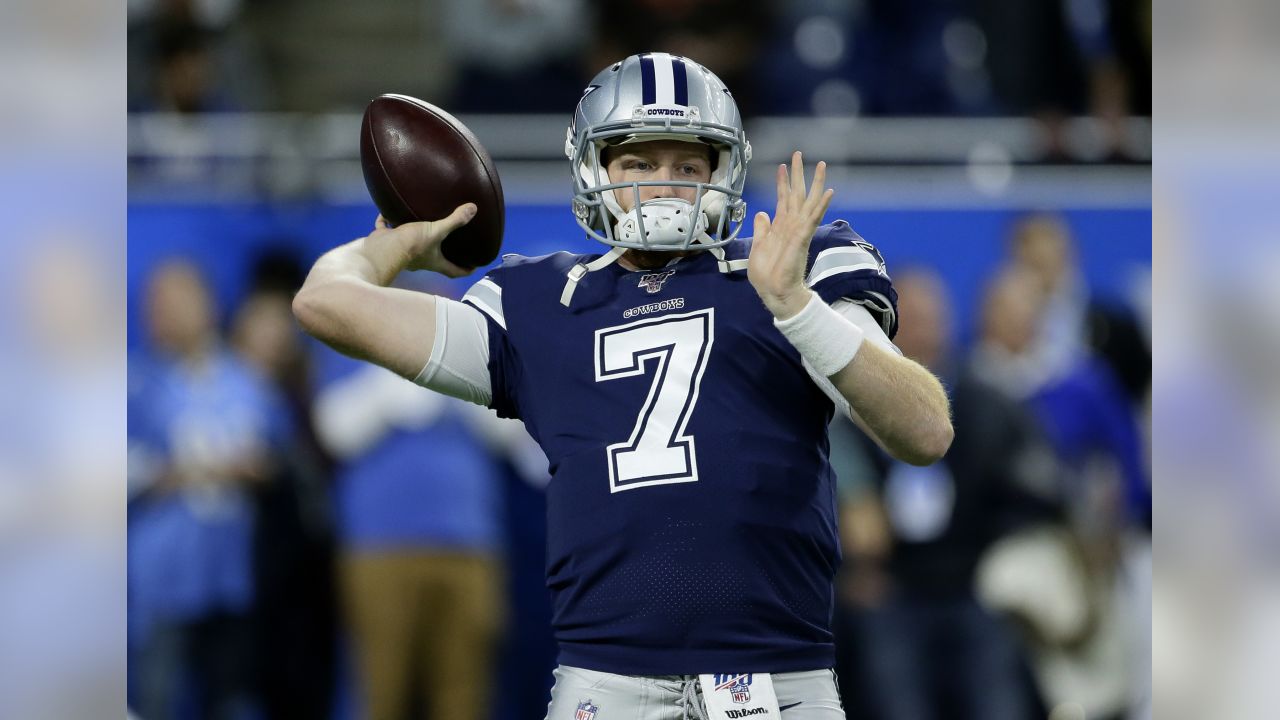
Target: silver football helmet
x: 656, y: 96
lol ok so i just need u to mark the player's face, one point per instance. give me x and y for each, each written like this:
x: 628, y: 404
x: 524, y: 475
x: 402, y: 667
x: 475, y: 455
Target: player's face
x: 656, y: 161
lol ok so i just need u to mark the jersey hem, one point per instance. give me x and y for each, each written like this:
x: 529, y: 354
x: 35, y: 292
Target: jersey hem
x: 660, y: 661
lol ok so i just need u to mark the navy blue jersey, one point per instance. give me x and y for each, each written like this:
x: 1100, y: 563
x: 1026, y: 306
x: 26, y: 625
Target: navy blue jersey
x: 691, y: 512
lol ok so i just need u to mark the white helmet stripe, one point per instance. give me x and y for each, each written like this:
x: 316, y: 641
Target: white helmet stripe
x: 664, y: 79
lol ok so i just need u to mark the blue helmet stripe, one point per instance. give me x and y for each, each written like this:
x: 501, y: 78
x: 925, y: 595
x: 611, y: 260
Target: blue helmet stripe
x: 649, y: 86
x: 681, y: 81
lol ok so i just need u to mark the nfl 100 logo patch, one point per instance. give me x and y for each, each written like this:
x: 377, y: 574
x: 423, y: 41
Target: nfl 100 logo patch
x: 736, y: 685
x: 586, y: 711
x: 652, y: 282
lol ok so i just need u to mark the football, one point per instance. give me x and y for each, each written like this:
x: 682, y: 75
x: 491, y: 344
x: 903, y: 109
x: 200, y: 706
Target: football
x: 420, y: 163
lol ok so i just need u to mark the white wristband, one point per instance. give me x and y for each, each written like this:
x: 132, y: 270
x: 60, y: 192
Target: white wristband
x: 826, y: 339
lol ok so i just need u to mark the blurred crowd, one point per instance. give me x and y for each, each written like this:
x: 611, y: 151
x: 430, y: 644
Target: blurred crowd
x: 1013, y: 578
x: 1048, y: 59
x: 294, y: 513
x: 311, y: 536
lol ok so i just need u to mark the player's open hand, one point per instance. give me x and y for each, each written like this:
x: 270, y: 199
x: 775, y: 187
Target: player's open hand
x: 422, y: 240
x: 780, y: 247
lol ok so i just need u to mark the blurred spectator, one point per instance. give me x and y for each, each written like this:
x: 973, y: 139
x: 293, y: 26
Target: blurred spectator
x: 184, y: 76
x: 204, y: 429
x: 1059, y: 58
x: 327, y: 55
x: 1072, y: 323
x: 1075, y: 590
x: 1058, y: 363
x: 181, y: 77
x: 192, y: 56
x: 517, y: 55
x: 1079, y: 402
x: 1130, y: 22
x: 1041, y: 244
x: 1035, y: 65
x: 418, y: 505
x: 724, y: 35
x: 924, y: 646
x: 295, y: 609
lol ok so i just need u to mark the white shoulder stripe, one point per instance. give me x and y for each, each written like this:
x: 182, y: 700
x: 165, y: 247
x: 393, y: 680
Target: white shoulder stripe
x: 487, y: 310
x: 486, y: 296
x: 838, y: 269
x: 853, y: 250
x: 488, y: 283
x: 836, y: 260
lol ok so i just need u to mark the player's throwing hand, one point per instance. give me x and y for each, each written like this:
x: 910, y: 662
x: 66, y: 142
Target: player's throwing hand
x: 780, y: 247
x: 421, y: 240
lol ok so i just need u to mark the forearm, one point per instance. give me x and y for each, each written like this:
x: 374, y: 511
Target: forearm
x: 345, y: 303
x: 898, y: 402
x: 376, y: 260
x: 902, y: 403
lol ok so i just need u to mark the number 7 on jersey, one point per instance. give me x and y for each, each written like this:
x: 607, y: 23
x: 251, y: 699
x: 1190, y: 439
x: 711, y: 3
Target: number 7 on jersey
x: 675, y: 348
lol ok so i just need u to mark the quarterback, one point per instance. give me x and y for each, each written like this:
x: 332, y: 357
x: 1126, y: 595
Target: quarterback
x: 680, y: 385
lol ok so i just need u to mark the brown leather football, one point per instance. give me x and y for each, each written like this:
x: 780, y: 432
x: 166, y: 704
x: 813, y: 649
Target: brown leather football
x: 420, y: 163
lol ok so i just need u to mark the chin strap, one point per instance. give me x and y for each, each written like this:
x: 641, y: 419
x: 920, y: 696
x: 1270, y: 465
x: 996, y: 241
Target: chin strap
x: 579, y: 271
x: 727, y: 266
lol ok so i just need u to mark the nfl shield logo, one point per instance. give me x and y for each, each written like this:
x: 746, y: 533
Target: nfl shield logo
x: 740, y: 692
x: 586, y: 711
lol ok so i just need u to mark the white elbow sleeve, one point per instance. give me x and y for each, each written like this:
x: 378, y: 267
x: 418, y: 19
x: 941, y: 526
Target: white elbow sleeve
x: 858, y: 315
x: 826, y: 339
x: 459, y: 364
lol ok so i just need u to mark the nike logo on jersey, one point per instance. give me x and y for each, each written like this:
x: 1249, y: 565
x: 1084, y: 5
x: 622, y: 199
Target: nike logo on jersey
x: 788, y: 707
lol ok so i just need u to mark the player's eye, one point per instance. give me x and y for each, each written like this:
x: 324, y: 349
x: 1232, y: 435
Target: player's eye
x: 639, y: 165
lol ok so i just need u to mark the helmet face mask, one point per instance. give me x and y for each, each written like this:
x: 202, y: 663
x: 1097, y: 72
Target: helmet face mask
x: 658, y: 97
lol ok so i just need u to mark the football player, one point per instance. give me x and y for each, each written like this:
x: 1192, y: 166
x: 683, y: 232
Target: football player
x: 680, y: 384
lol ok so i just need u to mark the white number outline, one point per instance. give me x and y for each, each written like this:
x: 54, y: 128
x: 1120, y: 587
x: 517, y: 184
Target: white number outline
x: 663, y: 355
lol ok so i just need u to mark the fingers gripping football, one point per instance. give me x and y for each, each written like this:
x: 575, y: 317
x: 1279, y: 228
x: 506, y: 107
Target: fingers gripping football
x: 422, y: 240
x: 780, y: 246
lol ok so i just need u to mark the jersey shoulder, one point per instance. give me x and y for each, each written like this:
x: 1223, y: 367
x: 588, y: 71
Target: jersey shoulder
x: 843, y: 264
x: 514, y: 265
x: 520, y: 276
x: 837, y: 248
